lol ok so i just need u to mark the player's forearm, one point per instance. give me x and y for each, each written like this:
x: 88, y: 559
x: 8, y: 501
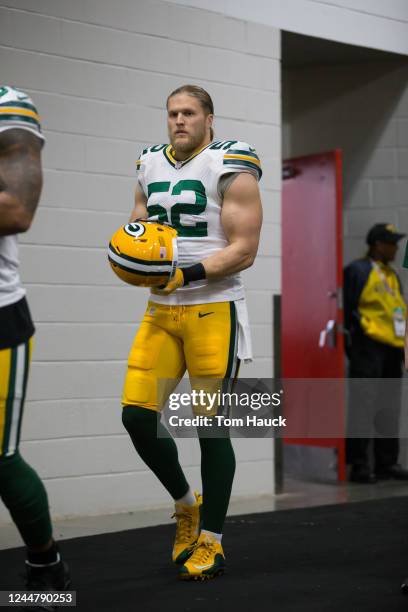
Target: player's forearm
x: 14, y: 216
x: 139, y: 212
x: 140, y: 208
x: 232, y: 259
x: 20, y: 180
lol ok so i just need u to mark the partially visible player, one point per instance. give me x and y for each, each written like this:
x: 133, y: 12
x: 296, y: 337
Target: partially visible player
x: 404, y: 585
x: 405, y: 265
x: 208, y: 191
x: 21, y: 489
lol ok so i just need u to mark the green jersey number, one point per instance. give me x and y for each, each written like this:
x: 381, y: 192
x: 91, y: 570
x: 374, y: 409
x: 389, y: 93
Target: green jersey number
x: 197, y: 230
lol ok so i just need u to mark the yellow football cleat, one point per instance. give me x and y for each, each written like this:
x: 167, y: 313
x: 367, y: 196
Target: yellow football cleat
x: 187, y: 529
x: 206, y: 561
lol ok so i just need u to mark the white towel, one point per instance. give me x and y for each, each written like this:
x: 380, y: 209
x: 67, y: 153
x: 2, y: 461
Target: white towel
x: 244, y: 332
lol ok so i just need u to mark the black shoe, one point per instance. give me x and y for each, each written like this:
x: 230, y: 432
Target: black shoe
x: 394, y: 471
x: 362, y: 474
x: 404, y: 586
x: 47, y: 578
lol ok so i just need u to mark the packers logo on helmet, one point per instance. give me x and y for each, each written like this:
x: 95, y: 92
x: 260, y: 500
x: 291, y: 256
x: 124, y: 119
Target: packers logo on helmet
x: 144, y: 253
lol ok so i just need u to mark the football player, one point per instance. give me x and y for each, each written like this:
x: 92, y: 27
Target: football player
x: 208, y: 191
x: 21, y: 489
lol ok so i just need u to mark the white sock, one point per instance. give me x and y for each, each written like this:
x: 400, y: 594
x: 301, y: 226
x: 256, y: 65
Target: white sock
x: 188, y: 499
x: 216, y: 536
x: 44, y: 564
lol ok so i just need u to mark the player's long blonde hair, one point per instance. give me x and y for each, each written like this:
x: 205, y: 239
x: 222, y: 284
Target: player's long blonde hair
x: 202, y: 96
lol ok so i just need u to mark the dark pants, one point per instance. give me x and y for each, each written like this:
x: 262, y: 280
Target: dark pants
x: 375, y: 371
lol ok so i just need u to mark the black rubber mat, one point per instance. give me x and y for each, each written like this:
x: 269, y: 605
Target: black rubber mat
x: 349, y: 558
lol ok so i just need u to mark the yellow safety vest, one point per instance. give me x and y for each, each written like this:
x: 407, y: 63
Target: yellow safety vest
x: 380, y: 302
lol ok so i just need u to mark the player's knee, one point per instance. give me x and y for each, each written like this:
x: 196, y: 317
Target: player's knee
x: 5, y: 462
x: 138, y: 421
x: 129, y: 417
x: 8, y: 465
x: 140, y: 388
x: 21, y: 489
x: 12, y: 466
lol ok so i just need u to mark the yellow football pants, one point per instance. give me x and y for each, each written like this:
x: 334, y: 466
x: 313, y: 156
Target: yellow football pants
x: 14, y: 366
x: 199, y: 338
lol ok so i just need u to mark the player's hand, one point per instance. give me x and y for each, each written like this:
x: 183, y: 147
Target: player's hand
x: 173, y: 284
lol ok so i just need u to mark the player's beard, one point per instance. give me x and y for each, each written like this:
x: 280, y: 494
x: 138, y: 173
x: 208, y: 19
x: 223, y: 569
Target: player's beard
x: 187, y: 146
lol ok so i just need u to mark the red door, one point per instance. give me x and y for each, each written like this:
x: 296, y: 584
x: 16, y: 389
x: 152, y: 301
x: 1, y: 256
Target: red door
x: 312, y: 344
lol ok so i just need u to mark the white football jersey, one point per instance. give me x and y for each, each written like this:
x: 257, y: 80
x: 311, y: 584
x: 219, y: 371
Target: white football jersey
x: 16, y: 111
x: 186, y: 196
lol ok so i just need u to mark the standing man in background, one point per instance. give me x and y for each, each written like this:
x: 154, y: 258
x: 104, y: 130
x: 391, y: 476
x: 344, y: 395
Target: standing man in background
x: 208, y: 191
x: 21, y: 489
x: 375, y: 313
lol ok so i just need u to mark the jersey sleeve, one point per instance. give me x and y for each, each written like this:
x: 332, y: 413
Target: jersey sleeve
x: 17, y: 110
x: 241, y: 157
x: 140, y: 170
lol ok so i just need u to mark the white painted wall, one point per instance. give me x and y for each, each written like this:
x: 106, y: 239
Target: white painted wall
x: 362, y: 109
x: 99, y: 73
x: 377, y: 24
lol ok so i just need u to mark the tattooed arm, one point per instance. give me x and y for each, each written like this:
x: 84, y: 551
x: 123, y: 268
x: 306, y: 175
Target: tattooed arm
x: 20, y: 179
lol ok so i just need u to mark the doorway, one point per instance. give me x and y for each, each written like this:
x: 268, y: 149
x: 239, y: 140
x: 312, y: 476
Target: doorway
x: 348, y: 98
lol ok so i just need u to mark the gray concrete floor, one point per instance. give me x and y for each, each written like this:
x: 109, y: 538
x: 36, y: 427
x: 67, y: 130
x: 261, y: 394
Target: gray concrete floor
x: 297, y: 494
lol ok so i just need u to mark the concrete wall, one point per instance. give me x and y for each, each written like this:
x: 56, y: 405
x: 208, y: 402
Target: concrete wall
x: 362, y: 109
x: 99, y: 73
x: 368, y: 23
